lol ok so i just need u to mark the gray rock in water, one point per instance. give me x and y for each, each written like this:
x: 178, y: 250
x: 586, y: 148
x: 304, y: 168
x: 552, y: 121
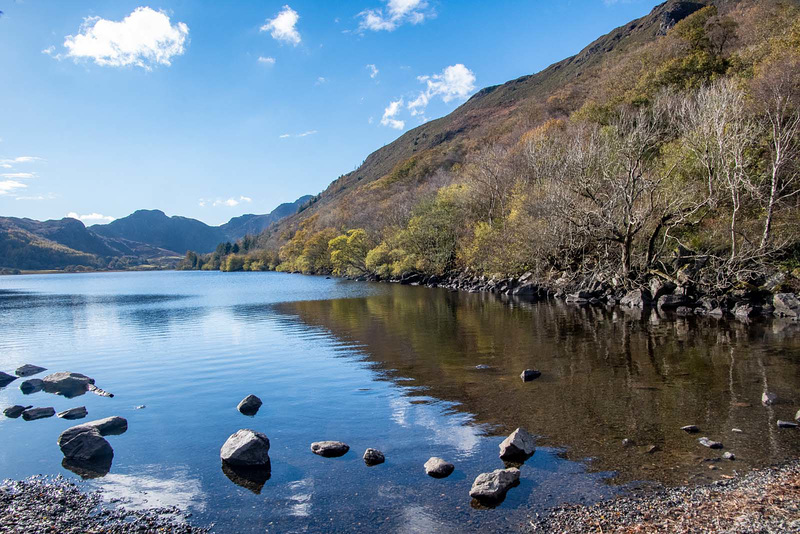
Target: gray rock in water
x: 32, y: 414
x: 29, y: 370
x: 84, y: 443
x: 638, y: 298
x: 15, y: 411
x: 246, y: 448
x: 768, y: 398
x: 786, y: 304
x: 67, y: 384
x: 6, y: 379
x: 249, y: 405
x: 530, y: 374
x: 438, y: 468
x: 519, y: 446
x: 373, y: 457
x: 745, y: 311
x: 672, y: 302
x: 110, y: 426
x: 786, y: 424
x: 74, y: 413
x: 140, y: 407
x: 493, y: 486
x: 690, y: 429
x: 33, y: 385
x: 705, y: 442
x: 729, y: 455
x: 330, y: 449
x: 684, y: 311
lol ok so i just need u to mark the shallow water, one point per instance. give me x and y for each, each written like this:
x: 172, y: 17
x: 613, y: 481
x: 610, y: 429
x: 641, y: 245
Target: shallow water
x: 390, y: 367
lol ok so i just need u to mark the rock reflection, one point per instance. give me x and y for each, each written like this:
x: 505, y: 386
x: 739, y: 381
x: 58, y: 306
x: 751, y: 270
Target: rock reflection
x: 89, y: 470
x: 251, y: 478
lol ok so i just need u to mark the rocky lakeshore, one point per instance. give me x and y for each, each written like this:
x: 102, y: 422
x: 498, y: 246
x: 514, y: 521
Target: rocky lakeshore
x: 54, y: 504
x: 764, y: 500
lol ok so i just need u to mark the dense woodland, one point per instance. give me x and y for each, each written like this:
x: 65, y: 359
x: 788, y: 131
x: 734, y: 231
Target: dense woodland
x: 677, y: 156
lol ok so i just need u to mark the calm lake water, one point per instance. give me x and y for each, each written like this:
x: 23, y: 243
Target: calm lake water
x: 390, y: 367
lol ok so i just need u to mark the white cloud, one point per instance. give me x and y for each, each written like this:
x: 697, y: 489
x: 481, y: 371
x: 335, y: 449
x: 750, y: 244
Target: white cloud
x: 396, y: 13
x: 285, y: 136
x: 390, y: 113
x: 49, y: 196
x: 283, y: 26
x: 90, y: 217
x: 303, y: 134
x: 454, y: 82
x: 246, y: 199
x: 321, y: 80
x: 227, y: 202
x: 9, y: 186
x: 21, y: 159
x: 18, y: 175
x: 144, y: 38
x: 373, y: 70
x: 266, y: 60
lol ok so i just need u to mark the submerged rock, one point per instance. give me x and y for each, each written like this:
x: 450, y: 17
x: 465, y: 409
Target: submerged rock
x: 34, y: 385
x: 6, y: 379
x: 29, y: 370
x: 74, y: 413
x: 251, y: 478
x: 438, y: 468
x: 330, y: 449
x: 786, y: 424
x: 530, y: 374
x: 246, y: 447
x: 15, y: 411
x: 32, y: 414
x: 493, y: 486
x: 519, y: 446
x: 67, y: 384
x: 249, y: 405
x: 705, y: 442
x: 768, y: 398
x: 690, y: 429
x: 373, y: 457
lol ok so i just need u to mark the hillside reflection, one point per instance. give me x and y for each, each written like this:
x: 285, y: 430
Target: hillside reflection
x: 607, y: 375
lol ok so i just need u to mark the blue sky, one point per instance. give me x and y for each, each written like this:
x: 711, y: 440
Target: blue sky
x: 214, y: 109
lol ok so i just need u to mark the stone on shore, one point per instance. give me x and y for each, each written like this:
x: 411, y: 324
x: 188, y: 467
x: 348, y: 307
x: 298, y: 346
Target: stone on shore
x: 67, y: 384
x: 786, y: 424
x: 34, y: 385
x: 728, y: 456
x: 29, y: 370
x: 768, y: 398
x: 438, y: 468
x: 519, y: 446
x: 74, y: 413
x: 530, y: 374
x: 246, y: 448
x: 6, y: 379
x: 249, y: 405
x: 84, y: 443
x: 32, y: 414
x: 15, y: 411
x: 673, y: 302
x: 373, y: 457
x: 493, y: 486
x: 638, y: 298
x: 797, y: 416
x: 705, y: 442
x: 691, y: 429
x: 330, y: 449
x: 786, y: 304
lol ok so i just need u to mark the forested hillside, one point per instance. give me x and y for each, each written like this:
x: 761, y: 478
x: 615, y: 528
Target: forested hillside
x: 669, y: 145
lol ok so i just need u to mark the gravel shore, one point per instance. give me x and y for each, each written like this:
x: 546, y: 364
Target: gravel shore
x: 764, y: 501
x: 53, y: 504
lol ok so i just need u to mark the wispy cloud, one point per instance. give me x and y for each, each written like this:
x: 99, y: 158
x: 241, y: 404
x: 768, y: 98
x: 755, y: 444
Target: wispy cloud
x: 224, y: 202
x: 390, y: 113
x: 373, y: 71
x: 395, y: 14
x: 19, y: 175
x: 321, y: 80
x: 145, y: 38
x: 9, y: 163
x: 91, y: 217
x: 266, y: 60
x: 49, y: 196
x: 284, y: 26
x: 9, y: 186
x: 303, y: 134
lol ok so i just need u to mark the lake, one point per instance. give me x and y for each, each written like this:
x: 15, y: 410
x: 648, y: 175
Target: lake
x: 414, y: 372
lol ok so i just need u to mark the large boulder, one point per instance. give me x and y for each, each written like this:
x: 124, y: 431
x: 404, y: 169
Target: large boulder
x: 673, y: 302
x: 438, y: 468
x: 29, y: 370
x: 110, y: 426
x: 659, y: 288
x: 246, y: 448
x: 786, y: 304
x: 519, y: 446
x: 32, y: 414
x: 15, y: 411
x: 33, y: 385
x: 6, y: 379
x: 329, y: 449
x: 638, y: 298
x: 249, y: 405
x: 67, y: 384
x: 373, y: 457
x: 493, y: 486
x: 84, y: 443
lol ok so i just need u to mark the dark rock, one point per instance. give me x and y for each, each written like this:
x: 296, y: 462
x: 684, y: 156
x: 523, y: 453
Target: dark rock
x: 373, y: 457
x: 652, y: 448
x: 527, y: 290
x: 659, y: 288
x: 67, y: 384
x: 716, y: 312
x: 97, y: 391
x: 74, y: 413
x: 519, y: 446
x: 530, y: 374
x: 638, y: 298
x: 707, y: 303
x: 83, y: 443
x: 690, y: 429
x: 92, y: 469
x: 6, y: 379
x: 705, y: 442
x: 786, y: 304
x: 34, y: 385
x: 768, y: 398
x: 581, y: 297
x: 728, y: 456
x: 438, y: 468
x: 32, y: 414
x: 110, y: 426
x: 628, y: 442
x: 249, y: 405
x: 673, y: 302
x: 786, y: 424
x: 29, y: 370
x: 248, y: 477
x: 15, y: 411
x: 493, y: 486
x: 246, y: 448
x: 744, y: 311
x: 330, y: 449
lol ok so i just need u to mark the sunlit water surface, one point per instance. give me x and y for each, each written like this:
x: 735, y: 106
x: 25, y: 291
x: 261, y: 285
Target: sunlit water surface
x: 389, y: 367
